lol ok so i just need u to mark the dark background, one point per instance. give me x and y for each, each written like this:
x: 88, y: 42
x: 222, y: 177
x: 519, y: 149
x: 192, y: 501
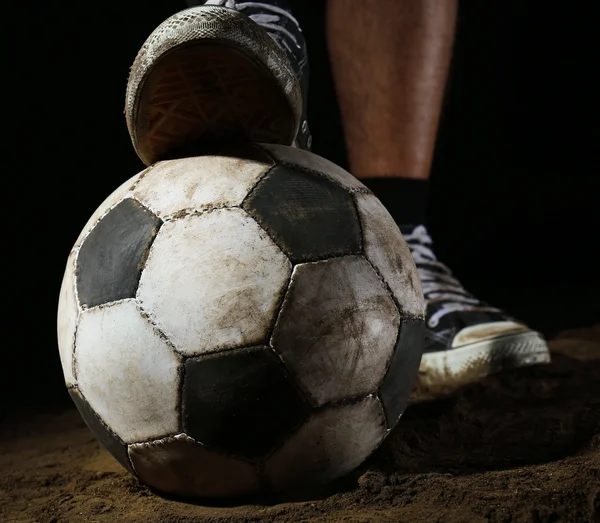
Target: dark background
x: 514, y: 200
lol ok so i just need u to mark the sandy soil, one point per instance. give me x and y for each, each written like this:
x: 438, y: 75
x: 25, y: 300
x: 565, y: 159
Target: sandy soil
x: 519, y: 447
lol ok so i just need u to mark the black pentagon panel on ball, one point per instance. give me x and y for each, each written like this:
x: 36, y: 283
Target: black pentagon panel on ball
x: 111, y: 258
x: 397, y: 385
x: 309, y: 217
x: 240, y: 401
x: 100, y: 431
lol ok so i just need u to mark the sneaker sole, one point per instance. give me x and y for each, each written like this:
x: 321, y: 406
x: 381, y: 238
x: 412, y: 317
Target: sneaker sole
x: 442, y: 373
x: 210, y: 73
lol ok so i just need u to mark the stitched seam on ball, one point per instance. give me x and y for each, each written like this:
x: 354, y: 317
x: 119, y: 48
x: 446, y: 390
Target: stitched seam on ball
x: 388, y: 364
x: 75, y: 253
x: 127, y: 195
x: 143, y: 175
x: 73, y: 348
x: 379, y: 399
x: 182, y: 435
x: 196, y: 211
x: 360, y: 225
x: 403, y: 314
x: 106, y: 427
x: 352, y: 400
x: 149, y: 317
x: 180, y: 382
x: 364, y: 255
x: 259, y: 462
x: 305, y: 395
x: 337, y: 183
x: 282, y: 301
x: 260, y: 179
x: 165, y: 338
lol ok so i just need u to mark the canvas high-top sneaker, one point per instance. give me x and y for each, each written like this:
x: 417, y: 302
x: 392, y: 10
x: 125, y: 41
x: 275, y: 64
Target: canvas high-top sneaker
x: 465, y: 338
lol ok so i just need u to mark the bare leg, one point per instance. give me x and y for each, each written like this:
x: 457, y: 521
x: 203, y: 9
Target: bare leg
x: 390, y: 60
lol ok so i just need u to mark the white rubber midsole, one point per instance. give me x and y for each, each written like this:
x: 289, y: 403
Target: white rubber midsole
x: 516, y: 350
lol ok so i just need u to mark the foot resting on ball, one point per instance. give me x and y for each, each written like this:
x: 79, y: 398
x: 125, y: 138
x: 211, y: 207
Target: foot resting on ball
x: 219, y: 71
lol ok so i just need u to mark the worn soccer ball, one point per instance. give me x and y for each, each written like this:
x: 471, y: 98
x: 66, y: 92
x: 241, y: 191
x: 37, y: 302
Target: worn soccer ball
x: 240, y: 322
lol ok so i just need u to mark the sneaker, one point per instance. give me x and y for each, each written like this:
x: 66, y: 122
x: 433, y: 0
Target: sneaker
x: 465, y: 338
x: 226, y: 69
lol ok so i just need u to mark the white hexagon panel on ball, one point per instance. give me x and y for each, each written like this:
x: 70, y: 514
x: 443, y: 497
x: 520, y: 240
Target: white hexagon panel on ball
x: 224, y: 283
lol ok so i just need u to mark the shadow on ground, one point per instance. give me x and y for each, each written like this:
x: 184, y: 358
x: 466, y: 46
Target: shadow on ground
x: 522, y: 446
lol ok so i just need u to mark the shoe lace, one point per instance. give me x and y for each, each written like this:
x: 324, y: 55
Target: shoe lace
x: 440, y: 287
x: 269, y: 20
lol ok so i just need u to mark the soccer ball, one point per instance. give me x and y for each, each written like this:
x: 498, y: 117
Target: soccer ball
x: 240, y: 322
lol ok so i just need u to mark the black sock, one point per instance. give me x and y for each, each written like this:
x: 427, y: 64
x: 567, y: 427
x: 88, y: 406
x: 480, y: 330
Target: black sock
x: 404, y: 198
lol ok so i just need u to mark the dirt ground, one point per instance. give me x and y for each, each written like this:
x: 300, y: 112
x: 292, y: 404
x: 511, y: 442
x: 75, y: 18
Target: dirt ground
x: 519, y: 447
